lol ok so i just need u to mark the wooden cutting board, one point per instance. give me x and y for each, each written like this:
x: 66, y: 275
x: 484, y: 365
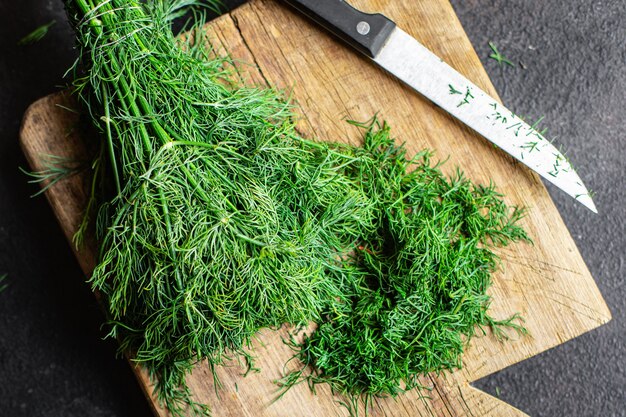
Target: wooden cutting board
x: 547, y: 283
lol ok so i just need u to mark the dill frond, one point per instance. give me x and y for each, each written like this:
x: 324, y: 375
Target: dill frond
x: 56, y: 169
x: 3, y: 284
x: 37, y: 34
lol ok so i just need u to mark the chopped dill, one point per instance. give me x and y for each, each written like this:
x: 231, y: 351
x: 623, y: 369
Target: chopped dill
x: 216, y: 219
x: 415, y: 286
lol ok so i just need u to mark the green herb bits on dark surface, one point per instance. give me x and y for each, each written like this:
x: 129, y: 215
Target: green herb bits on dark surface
x: 216, y: 219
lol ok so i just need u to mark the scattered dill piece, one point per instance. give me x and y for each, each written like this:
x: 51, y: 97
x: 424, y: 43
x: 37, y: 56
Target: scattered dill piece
x: 497, y: 56
x: 55, y: 169
x: 416, y: 285
x: 454, y: 90
x: 37, y: 34
x: 3, y: 284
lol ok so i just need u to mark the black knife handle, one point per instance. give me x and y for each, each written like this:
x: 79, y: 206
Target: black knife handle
x: 365, y: 32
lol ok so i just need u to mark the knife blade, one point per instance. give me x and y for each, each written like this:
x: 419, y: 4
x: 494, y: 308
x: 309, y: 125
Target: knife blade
x: 379, y: 38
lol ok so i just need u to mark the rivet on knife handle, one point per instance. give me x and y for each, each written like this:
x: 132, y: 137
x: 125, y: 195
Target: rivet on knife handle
x: 367, y: 33
x: 400, y: 54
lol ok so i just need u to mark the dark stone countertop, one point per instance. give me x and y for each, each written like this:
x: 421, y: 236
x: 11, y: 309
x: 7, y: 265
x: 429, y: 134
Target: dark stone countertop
x: 52, y: 359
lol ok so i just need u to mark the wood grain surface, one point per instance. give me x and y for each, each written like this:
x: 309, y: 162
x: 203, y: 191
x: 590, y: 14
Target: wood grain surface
x: 547, y: 282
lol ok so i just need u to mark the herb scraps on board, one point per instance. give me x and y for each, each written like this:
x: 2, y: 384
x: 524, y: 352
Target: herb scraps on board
x: 217, y: 219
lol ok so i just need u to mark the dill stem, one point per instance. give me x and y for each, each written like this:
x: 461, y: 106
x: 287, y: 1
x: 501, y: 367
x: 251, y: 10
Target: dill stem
x: 160, y: 133
x: 82, y: 4
x: 111, y: 148
x: 166, y: 139
x: 458, y: 306
x: 172, y: 249
x: 250, y: 240
x: 125, y: 91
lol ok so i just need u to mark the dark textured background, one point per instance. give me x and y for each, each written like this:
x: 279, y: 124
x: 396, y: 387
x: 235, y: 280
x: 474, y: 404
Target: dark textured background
x: 52, y: 359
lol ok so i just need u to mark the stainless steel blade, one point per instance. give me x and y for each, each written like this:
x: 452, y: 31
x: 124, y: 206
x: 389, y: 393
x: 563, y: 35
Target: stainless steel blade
x: 411, y: 62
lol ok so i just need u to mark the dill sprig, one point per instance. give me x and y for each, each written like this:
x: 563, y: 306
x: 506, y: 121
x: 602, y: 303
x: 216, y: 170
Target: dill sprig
x: 415, y: 288
x: 216, y: 219
x: 497, y: 56
x: 36, y: 35
x: 3, y: 284
x: 56, y: 169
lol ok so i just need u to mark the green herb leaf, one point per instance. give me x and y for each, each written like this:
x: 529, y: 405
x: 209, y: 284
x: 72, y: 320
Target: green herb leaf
x: 55, y: 169
x: 37, y: 34
x: 3, y: 284
x: 498, y: 57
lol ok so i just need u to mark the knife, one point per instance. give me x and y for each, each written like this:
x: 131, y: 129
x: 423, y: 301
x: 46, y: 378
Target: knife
x: 379, y: 38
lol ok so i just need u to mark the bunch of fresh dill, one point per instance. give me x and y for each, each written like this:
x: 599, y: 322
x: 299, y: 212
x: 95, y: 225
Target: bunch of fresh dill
x: 223, y: 221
